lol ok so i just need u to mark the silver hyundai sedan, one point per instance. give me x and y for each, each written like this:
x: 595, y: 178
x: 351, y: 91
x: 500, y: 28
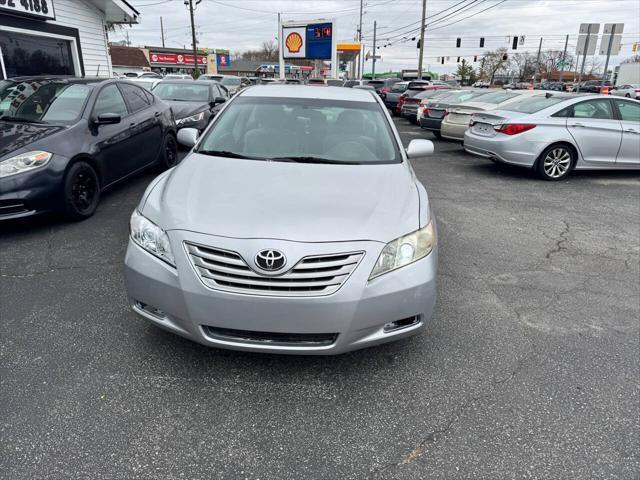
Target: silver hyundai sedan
x: 295, y: 225
x: 555, y: 133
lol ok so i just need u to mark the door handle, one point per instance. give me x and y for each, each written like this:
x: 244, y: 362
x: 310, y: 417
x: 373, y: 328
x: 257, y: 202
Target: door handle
x: 157, y: 114
x: 576, y: 125
x: 131, y: 125
x: 631, y: 130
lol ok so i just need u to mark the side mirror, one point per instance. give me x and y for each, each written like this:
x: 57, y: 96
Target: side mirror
x: 219, y: 100
x: 419, y: 148
x: 107, y: 119
x: 188, y: 136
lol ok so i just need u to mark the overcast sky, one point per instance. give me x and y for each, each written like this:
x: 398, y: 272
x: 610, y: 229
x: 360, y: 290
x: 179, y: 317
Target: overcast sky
x: 239, y: 25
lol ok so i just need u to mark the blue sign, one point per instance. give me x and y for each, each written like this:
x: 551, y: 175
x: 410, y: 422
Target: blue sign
x: 319, y: 38
x: 222, y: 60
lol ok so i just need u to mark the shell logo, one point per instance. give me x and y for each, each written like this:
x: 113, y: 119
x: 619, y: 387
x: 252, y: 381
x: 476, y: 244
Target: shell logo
x: 293, y: 42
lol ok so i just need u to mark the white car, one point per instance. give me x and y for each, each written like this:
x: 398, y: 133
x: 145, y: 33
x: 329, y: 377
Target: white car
x: 629, y: 90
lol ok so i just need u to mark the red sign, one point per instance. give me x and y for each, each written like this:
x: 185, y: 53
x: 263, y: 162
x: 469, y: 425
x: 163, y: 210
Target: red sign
x: 176, y: 58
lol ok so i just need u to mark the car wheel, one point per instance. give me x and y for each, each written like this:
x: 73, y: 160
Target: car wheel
x: 169, y: 154
x: 437, y: 134
x: 555, y: 163
x: 81, y: 191
x: 627, y: 95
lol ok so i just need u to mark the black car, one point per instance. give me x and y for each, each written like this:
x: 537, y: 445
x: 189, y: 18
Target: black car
x: 194, y: 103
x: 591, y: 86
x: 383, y: 85
x: 392, y: 97
x: 64, y: 140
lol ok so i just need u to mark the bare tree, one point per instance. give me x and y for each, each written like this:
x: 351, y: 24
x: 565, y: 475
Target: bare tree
x: 523, y: 64
x: 493, y: 62
x: 269, y: 50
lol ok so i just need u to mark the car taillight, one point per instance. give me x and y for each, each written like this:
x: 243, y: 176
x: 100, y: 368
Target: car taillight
x: 637, y: 90
x: 446, y: 112
x: 514, y: 128
x: 425, y: 111
x: 384, y: 90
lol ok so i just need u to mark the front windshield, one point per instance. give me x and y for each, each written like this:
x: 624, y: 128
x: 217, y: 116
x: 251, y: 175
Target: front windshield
x: 182, y: 92
x: 297, y: 129
x: 42, y: 101
x: 230, y: 81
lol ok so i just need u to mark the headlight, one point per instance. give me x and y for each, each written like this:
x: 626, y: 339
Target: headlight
x: 151, y: 237
x: 192, y: 119
x: 405, y: 250
x: 23, y: 163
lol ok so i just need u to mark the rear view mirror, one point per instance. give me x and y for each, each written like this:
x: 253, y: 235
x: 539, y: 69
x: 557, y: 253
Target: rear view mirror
x: 188, y: 137
x: 107, y: 119
x: 419, y: 148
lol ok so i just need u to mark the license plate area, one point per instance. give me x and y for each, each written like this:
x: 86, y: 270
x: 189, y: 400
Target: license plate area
x: 483, y: 129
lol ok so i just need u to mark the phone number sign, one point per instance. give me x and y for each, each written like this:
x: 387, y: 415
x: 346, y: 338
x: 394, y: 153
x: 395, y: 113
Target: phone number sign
x: 32, y: 8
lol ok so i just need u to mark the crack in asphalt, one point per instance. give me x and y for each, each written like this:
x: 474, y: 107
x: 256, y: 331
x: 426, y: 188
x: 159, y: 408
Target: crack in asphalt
x: 433, y: 436
x: 560, y: 243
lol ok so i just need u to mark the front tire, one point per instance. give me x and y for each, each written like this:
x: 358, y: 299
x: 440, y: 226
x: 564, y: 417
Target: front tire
x: 628, y: 95
x: 169, y: 154
x: 81, y: 191
x: 555, y: 163
x: 437, y: 134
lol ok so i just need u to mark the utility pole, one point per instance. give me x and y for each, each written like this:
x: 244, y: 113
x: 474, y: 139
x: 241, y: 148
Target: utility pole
x: 128, y: 41
x: 564, y: 56
x: 373, y: 68
x: 537, y: 62
x: 424, y: 13
x: 162, y: 31
x: 606, y: 63
x: 196, y: 72
x: 281, y: 71
x: 360, y: 60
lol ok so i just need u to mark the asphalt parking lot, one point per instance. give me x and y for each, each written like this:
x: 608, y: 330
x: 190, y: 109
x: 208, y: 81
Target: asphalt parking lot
x: 530, y: 368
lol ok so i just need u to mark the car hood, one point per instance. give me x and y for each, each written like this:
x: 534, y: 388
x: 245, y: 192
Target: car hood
x: 184, y: 109
x: 300, y: 202
x: 15, y: 136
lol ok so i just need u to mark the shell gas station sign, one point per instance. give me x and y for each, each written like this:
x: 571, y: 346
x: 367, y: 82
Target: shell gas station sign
x: 310, y: 40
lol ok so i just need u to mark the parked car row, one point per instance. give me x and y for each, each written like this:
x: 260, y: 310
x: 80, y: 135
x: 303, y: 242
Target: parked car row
x: 550, y: 132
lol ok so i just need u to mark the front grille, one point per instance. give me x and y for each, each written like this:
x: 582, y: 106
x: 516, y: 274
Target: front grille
x: 314, y: 275
x: 271, y: 338
x: 11, y: 207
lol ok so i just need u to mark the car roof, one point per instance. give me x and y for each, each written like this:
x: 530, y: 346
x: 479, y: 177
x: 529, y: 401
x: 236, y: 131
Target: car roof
x: 62, y: 78
x: 186, y: 82
x: 305, y: 91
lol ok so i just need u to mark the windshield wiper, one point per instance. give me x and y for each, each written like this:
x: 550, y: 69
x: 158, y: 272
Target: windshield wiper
x: 8, y: 118
x: 228, y: 154
x: 318, y: 160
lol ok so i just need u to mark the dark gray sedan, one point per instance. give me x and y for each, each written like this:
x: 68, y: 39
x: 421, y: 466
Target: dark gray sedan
x: 193, y: 103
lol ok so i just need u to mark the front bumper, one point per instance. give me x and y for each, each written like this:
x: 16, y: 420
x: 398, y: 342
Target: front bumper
x: 514, y: 150
x: 356, y: 313
x: 33, y: 192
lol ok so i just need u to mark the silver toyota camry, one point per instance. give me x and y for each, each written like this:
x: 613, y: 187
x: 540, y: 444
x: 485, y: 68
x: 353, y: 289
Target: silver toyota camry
x: 295, y: 225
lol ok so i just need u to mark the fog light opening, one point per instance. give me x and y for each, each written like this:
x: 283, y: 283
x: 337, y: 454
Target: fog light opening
x: 400, y: 324
x: 153, y: 311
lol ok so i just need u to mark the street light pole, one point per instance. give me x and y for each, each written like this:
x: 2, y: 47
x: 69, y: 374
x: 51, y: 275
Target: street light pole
x: 373, y: 68
x: 360, y: 62
x: 424, y: 13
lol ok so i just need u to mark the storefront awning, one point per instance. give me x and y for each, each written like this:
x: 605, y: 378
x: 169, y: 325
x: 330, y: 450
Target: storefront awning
x: 117, y: 11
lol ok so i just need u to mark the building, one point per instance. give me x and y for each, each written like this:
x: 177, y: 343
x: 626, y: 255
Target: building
x: 128, y: 59
x: 66, y: 37
x: 242, y: 68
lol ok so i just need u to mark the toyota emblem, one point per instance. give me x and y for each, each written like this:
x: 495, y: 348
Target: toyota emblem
x: 270, y: 260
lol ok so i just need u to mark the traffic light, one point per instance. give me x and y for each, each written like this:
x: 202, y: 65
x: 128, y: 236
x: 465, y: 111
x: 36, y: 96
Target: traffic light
x: 418, y: 45
x: 504, y: 57
x: 442, y: 61
x: 475, y: 58
x: 514, y: 45
x: 458, y: 59
x: 458, y: 42
x: 481, y: 42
